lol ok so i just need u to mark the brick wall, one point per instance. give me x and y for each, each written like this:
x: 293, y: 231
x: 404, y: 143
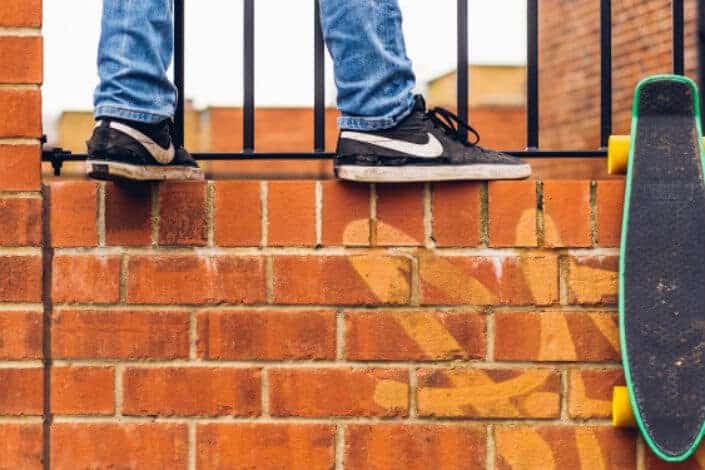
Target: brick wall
x: 315, y: 324
x: 21, y: 371
x: 570, y: 67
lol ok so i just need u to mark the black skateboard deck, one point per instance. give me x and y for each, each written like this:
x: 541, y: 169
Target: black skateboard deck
x: 662, y: 267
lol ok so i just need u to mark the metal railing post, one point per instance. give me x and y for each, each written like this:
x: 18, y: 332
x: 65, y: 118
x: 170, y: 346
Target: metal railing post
x: 462, y: 63
x: 179, y: 79
x: 248, y: 118
x: 605, y: 71
x: 532, y: 74
x: 678, y: 37
x: 319, y: 105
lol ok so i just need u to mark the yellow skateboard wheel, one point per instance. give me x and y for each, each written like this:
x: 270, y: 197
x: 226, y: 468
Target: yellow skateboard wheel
x: 617, y: 154
x: 622, y: 413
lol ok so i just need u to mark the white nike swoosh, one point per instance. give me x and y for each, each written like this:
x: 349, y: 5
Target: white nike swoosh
x: 161, y: 155
x: 432, y: 149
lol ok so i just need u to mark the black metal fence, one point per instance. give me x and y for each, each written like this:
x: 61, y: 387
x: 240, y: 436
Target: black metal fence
x: 58, y: 156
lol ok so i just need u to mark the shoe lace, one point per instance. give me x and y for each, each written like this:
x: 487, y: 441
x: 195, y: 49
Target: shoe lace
x: 453, y: 126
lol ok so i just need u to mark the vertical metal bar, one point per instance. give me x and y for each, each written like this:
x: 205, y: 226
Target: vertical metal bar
x: 319, y: 107
x: 179, y: 32
x: 605, y: 71
x: 532, y: 74
x: 248, y: 126
x: 678, y: 37
x: 462, y: 65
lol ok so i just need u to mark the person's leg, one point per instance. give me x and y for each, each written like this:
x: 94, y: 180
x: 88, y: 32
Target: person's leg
x: 135, y: 50
x: 135, y: 101
x: 387, y: 135
x: 373, y: 74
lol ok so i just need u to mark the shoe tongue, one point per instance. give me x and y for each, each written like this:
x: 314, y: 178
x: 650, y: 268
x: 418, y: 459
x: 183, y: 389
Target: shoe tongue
x: 419, y: 104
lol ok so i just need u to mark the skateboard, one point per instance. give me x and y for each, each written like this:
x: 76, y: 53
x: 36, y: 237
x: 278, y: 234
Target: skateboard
x: 661, y: 268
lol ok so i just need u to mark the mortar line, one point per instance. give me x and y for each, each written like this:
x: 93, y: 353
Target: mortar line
x: 415, y: 279
x: 268, y: 280
x: 593, y: 213
x: 19, y: 140
x: 193, y: 336
x: 47, y: 254
x: 339, y: 446
x: 540, y: 228
x: 412, y: 402
x: 429, y: 241
x: 640, y: 453
x: 563, y: 271
x: 490, y: 334
x: 37, y: 195
x: 319, y: 213
x: 100, y: 215
x: 210, y: 213
x: 373, y: 215
x: 264, y: 210
x: 192, y: 445
x: 155, y: 214
x: 20, y: 31
x: 490, y: 450
x: 265, y: 392
x: 340, y: 335
x: 122, y: 286
x: 119, y: 372
x: 484, y: 215
x: 564, y: 396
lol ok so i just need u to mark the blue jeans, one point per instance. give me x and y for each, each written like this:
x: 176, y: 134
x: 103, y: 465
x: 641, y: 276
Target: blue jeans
x: 373, y: 74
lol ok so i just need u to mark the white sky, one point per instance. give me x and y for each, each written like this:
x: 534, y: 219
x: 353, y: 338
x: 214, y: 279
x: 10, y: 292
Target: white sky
x: 284, y: 48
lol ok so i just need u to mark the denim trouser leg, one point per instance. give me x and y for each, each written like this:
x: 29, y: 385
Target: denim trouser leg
x: 372, y: 71
x: 136, y: 46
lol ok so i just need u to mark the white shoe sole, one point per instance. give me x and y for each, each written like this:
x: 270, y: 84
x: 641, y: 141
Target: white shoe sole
x: 431, y: 173
x: 107, y: 170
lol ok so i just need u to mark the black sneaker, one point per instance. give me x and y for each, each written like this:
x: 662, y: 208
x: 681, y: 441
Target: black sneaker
x: 134, y: 151
x: 425, y: 146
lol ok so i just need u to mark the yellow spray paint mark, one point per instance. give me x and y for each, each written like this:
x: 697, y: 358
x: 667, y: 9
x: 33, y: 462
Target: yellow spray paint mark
x: 385, y: 277
x: 608, y: 328
x: 589, y: 451
x: 429, y: 334
x: 524, y: 449
x: 390, y: 394
x: 489, y: 398
x: 357, y: 232
x: 455, y: 283
x: 591, y: 406
x: 556, y: 341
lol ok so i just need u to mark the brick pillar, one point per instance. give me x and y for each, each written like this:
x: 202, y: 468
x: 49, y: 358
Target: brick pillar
x: 21, y: 373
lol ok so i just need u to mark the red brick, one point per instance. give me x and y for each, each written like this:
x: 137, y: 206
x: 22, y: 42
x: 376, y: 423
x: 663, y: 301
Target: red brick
x: 191, y: 391
x: 182, y: 213
x: 345, y: 214
x: 119, y: 334
x: 20, y: 59
x: 484, y: 280
x: 590, y: 392
x: 20, y: 168
x: 20, y: 278
x: 21, y: 391
x: 361, y: 279
x: 266, y: 335
x: 610, y: 205
x: 238, y: 213
x: 592, y: 280
x: 128, y: 214
x: 185, y: 279
x: 338, y: 392
x: 574, y: 447
x: 20, y: 222
x: 74, y: 209
x: 21, y: 114
x: 21, y: 446
x: 556, y: 336
x: 291, y: 212
x: 456, y: 214
x: 400, y: 211
x: 512, y: 213
x: 414, y: 447
x: 83, y: 390
x: 108, y: 445
x: 566, y: 213
x: 86, y: 278
x: 414, y: 335
x: 20, y: 335
x: 489, y: 393
x: 265, y: 445
x: 21, y: 13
